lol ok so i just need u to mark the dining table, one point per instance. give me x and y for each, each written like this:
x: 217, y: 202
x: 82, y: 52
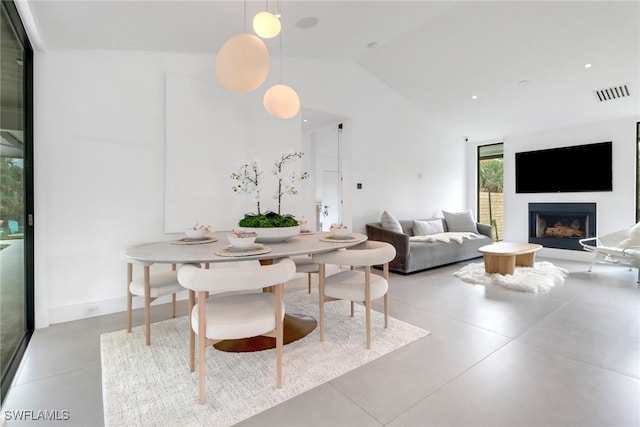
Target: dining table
x: 215, y: 248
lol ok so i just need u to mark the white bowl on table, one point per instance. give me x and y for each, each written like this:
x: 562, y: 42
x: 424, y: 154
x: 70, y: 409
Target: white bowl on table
x: 195, y: 234
x: 339, y: 232
x: 241, y: 242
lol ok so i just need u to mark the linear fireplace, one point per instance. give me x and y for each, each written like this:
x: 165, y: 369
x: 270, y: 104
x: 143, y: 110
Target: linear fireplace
x: 561, y: 225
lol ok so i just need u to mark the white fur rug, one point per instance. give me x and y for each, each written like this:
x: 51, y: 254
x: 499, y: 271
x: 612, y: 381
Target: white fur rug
x: 539, y: 278
x: 152, y: 386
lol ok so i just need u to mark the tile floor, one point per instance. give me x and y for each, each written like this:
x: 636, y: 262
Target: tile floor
x: 568, y: 357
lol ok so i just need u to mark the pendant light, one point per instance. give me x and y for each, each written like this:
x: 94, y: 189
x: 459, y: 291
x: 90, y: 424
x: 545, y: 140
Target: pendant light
x: 266, y: 25
x: 242, y: 63
x: 281, y: 100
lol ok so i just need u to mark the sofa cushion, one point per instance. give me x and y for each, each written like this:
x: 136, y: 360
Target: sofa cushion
x: 460, y: 221
x: 389, y: 222
x: 423, y: 228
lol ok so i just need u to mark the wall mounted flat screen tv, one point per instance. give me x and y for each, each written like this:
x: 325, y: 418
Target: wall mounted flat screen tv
x: 578, y: 168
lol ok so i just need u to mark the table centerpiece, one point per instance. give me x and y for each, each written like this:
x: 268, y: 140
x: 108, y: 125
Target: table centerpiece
x: 269, y: 226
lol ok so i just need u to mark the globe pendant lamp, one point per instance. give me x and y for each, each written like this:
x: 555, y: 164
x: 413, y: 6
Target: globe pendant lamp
x: 242, y: 63
x: 266, y: 25
x: 281, y: 101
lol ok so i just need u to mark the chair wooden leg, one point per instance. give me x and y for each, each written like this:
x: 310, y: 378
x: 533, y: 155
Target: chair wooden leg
x: 367, y: 302
x: 147, y: 305
x: 321, y: 271
x: 309, y: 281
x: 192, y: 334
x: 385, y: 274
x: 174, y: 267
x: 129, y: 295
x: 386, y: 310
x: 202, y: 341
x: 279, y: 334
x: 352, y: 308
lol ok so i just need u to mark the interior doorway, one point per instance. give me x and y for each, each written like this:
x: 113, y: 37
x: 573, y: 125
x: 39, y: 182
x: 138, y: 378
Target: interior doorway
x: 324, y: 134
x: 331, y: 201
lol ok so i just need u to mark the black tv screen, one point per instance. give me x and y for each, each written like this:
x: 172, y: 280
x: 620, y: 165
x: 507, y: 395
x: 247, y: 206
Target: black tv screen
x: 572, y: 169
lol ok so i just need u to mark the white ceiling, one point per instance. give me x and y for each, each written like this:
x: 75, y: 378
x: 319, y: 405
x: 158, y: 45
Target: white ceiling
x: 437, y: 54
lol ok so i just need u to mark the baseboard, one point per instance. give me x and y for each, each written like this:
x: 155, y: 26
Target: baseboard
x: 67, y: 313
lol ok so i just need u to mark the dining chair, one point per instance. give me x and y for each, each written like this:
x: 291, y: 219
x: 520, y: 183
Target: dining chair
x: 304, y: 264
x: 150, y: 286
x: 237, y: 314
x: 357, y: 284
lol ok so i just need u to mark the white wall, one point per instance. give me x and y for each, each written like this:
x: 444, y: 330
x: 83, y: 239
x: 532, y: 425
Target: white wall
x: 615, y: 209
x: 99, y: 162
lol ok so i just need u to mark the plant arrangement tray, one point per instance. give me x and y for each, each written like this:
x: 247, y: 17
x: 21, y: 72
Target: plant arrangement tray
x: 198, y: 241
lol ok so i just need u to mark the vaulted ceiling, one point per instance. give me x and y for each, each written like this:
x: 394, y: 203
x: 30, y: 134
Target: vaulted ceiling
x: 524, y: 61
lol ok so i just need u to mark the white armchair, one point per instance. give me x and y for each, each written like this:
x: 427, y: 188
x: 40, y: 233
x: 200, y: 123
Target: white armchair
x: 621, y: 247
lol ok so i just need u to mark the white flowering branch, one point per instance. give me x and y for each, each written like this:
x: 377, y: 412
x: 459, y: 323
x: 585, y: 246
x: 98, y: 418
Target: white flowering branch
x: 248, y: 177
x: 287, y: 179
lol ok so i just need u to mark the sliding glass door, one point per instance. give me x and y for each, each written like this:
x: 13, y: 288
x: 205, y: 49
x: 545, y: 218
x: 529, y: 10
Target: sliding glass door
x: 16, y: 217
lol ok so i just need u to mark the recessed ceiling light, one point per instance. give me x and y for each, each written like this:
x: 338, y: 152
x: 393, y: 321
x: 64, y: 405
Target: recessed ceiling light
x: 587, y: 65
x: 474, y: 97
x: 307, y: 22
x: 372, y: 45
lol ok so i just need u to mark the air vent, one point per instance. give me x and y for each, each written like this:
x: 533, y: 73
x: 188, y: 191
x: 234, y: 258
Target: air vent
x: 613, y: 92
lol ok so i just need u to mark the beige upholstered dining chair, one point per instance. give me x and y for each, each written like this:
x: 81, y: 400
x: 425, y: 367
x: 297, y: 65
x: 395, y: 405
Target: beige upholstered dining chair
x: 150, y: 286
x: 304, y: 264
x: 356, y: 285
x: 234, y: 315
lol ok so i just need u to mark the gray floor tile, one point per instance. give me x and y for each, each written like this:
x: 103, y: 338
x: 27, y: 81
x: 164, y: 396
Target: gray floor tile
x: 502, y: 310
x: 387, y: 386
x: 597, y: 334
x: 320, y: 407
x: 521, y: 385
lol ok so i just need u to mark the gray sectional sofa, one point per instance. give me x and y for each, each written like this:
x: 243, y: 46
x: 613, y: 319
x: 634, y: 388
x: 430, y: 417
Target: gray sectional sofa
x: 413, y: 256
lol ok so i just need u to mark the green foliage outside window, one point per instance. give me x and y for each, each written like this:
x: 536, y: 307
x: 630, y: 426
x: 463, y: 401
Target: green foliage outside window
x: 11, y: 196
x: 491, y: 180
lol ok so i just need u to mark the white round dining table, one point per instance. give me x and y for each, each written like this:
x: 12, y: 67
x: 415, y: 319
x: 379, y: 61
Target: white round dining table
x: 180, y: 251
x: 175, y: 251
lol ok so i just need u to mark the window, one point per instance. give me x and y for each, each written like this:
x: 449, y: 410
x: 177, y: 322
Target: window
x: 490, y: 187
x: 16, y: 193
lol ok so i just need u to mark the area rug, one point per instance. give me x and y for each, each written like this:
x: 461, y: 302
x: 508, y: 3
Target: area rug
x: 539, y: 278
x: 152, y: 386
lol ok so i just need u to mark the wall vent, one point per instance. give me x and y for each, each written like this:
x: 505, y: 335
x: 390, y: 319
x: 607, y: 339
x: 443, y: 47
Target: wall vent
x: 613, y: 92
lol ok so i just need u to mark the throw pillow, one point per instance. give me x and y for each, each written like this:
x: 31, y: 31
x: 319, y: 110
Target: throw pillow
x: 424, y: 228
x: 460, y: 221
x: 390, y: 223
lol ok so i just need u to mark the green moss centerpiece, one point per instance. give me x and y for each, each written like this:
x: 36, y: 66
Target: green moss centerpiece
x: 270, y: 226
